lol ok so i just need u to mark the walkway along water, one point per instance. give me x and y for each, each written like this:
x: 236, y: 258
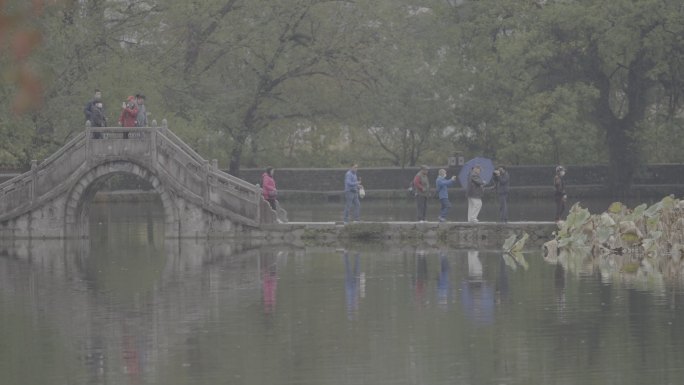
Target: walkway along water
x: 199, y: 201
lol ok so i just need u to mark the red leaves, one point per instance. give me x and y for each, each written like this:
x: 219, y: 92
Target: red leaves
x: 21, y: 41
x: 24, y: 42
x: 30, y: 95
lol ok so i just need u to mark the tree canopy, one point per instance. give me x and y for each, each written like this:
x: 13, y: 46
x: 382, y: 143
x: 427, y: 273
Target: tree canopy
x: 321, y: 83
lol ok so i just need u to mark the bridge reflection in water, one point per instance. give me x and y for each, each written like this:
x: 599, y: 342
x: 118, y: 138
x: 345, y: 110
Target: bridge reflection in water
x: 133, y: 306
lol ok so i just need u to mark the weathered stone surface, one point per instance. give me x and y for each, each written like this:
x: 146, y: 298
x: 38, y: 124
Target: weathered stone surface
x: 50, y: 201
x: 459, y: 235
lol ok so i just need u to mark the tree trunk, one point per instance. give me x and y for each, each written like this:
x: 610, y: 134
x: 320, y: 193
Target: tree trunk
x: 623, y: 158
x: 623, y: 150
x: 235, y: 156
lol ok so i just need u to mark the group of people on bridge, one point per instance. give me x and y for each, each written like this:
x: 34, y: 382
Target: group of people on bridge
x: 133, y: 111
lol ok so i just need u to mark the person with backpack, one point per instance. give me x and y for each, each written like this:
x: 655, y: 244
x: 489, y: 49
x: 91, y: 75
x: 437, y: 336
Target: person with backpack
x: 443, y: 183
x: 421, y: 188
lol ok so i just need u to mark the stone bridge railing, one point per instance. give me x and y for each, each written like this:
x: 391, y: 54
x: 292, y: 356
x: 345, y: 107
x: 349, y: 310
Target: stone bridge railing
x: 175, y: 165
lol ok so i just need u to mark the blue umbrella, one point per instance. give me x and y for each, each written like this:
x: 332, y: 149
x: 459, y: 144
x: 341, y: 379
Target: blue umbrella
x: 486, y: 170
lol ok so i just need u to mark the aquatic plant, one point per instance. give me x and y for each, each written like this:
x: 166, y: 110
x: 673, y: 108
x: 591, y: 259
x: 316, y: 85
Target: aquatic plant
x: 641, y: 243
x: 513, y: 247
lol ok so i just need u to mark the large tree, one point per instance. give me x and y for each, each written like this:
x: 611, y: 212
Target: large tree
x: 253, y: 65
x: 407, y: 105
x: 563, y: 67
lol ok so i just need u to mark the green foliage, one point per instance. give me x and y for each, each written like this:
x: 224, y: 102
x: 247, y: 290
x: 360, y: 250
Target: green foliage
x: 321, y: 83
x: 645, y: 241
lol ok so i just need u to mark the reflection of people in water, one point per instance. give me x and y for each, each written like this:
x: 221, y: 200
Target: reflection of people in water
x: 476, y: 295
x: 443, y: 283
x: 502, y: 282
x: 269, y: 280
x: 132, y: 358
x: 421, y: 277
x: 559, y: 288
x: 352, y: 281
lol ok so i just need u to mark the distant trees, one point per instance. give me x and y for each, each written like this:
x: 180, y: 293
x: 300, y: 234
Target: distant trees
x: 566, y: 80
x: 400, y: 82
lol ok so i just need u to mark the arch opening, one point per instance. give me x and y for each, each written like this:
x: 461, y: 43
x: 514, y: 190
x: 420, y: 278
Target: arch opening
x: 118, y: 191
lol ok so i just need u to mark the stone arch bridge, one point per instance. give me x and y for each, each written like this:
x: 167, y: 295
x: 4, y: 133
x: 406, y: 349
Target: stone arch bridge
x: 52, y: 199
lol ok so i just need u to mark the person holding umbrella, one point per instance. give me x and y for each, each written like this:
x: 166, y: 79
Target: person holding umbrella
x: 474, y: 183
x: 474, y: 192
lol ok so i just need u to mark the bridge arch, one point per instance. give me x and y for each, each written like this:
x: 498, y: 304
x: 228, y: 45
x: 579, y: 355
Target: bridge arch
x: 76, y: 213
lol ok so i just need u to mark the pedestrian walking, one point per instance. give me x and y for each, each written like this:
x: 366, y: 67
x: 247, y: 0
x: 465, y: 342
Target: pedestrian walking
x: 443, y: 183
x: 268, y: 187
x: 474, y: 193
x: 421, y: 187
x: 352, y: 184
x: 501, y: 183
x: 559, y: 196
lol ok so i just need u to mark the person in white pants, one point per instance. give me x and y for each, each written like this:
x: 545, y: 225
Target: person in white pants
x: 474, y: 193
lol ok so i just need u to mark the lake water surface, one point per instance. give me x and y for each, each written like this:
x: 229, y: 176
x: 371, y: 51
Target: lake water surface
x: 128, y: 307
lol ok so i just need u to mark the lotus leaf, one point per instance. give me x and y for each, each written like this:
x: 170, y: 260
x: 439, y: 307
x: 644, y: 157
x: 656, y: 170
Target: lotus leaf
x: 653, y: 222
x: 616, y: 208
x: 508, y: 243
x: 577, y: 217
x: 606, y: 220
x: 520, y: 259
x: 563, y: 242
x: 520, y: 243
x: 509, y: 261
x: 637, y: 213
x: 668, y: 202
x: 603, y: 233
x: 630, y: 238
x: 653, y: 210
x: 629, y: 227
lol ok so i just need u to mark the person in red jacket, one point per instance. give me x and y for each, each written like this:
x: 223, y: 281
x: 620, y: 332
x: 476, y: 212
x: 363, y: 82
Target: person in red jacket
x: 268, y: 187
x: 129, y: 113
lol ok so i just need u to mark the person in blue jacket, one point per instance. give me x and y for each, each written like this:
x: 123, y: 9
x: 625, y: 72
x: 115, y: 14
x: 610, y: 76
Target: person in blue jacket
x: 443, y: 183
x: 352, y: 184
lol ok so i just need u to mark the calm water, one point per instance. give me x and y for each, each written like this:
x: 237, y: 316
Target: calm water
x: 127, y: 307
